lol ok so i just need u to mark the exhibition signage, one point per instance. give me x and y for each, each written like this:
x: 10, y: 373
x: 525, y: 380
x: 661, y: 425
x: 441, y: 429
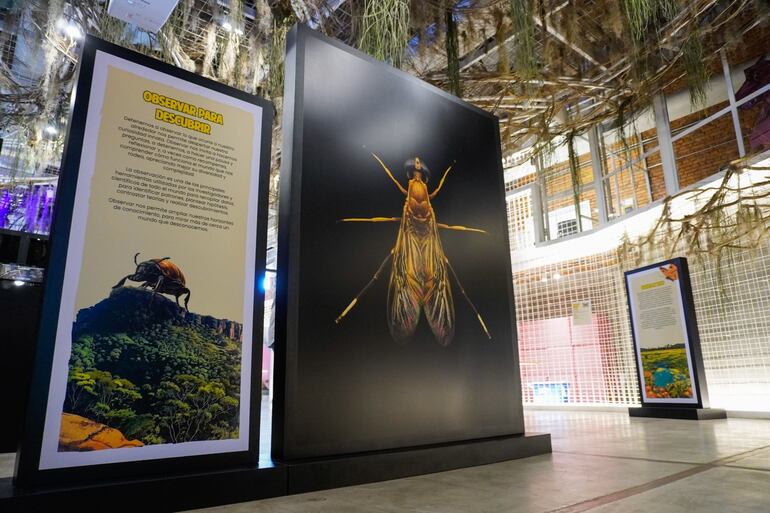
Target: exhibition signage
x: 149, y: 339
x: 665, y: 334
x: 394, y: 320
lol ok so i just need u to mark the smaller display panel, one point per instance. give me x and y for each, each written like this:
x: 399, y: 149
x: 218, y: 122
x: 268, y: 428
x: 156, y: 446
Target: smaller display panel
x: 146, y: 352
x: 665, y: 333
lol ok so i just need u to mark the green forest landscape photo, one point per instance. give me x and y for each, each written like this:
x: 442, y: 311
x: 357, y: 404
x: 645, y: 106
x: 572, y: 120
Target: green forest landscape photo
x: 145, y: 371
x: 666, y: 372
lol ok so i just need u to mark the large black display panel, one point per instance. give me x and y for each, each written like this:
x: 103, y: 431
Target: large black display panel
x: 395, y: 323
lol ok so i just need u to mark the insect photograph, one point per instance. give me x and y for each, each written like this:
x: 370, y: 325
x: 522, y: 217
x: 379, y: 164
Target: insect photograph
x: 419, y: 282
x: 162, y: 275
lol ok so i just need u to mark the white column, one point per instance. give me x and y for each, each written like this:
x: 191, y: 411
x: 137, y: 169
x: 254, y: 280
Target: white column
x: 598, y: 169
x: 733, y: 108
x: 666, y: 147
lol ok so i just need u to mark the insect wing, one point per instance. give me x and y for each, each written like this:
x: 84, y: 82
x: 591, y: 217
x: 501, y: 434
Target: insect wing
x: 172, y: 271
x: 404, y: 288
x: 419, y: 281
x: 438, y: 302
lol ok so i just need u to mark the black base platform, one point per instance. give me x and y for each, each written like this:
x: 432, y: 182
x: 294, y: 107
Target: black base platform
x: 678, y: 413
x: 175, y: 493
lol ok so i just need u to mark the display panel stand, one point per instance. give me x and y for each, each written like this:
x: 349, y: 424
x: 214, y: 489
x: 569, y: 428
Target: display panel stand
x: 665, y: 412
x: 669, y: 362
x: 165, y: 177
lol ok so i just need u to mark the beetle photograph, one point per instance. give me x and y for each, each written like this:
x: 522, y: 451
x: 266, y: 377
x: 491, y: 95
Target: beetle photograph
x: 145, y: 370
x: 162, y: 275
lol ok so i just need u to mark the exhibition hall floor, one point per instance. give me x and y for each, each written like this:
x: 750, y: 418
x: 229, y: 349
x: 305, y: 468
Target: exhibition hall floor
x: 602, y: 462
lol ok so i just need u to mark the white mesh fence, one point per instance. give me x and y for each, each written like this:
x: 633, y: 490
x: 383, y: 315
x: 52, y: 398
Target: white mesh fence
x: 569, y: 358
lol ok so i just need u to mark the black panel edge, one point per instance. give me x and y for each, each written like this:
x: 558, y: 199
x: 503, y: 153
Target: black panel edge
x: 288, y: 243
x: 336, y: 472
x: 305, y: 31
x: 175, y: 493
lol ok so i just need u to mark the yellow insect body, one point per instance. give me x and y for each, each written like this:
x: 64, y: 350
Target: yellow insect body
x: 419, y: 277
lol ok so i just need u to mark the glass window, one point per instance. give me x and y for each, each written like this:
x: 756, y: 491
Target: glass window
x: 626, y: 179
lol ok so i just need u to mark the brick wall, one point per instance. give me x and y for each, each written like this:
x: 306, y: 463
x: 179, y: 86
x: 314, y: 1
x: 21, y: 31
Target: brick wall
x: 701, y: 153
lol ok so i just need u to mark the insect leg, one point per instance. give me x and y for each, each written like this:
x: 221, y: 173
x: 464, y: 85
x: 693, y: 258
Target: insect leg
x: 363, y: 291
x: 370, y: 220
x: 459, y: 228
x: 121, y: 282
x: 462, y: 290
x: 155, y: 289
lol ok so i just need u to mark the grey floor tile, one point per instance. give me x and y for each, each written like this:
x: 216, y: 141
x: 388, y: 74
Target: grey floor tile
x: 536, y: 484
x: 720, y: 490
x: 598, y: 457
x: 759, y: 460
x: 610, y: 434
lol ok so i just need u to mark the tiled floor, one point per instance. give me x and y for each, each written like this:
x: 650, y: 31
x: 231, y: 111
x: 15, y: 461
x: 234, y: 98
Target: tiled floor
x: 602, y: 462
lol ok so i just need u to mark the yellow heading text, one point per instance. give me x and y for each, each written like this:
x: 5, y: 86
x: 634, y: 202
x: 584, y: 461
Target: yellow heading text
x: 653, y: 285
x: 185, y: 108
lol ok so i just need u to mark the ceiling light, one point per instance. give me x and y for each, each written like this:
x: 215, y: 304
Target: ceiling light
x: 149, y: 15
x: 73, y: 31
x: 227, y: 26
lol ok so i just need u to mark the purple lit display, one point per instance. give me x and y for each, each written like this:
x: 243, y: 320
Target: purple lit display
x: 27, y: 207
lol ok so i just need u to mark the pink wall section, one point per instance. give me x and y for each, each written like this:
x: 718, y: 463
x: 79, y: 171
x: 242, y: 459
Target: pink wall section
x: 554, y: 351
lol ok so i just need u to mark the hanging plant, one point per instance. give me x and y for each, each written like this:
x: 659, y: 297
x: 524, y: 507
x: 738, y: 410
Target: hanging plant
x: 574, y: 169
x: 452, y: 53
x: 275, y: 60
x: 640, y: 15
x: 384, y: 27
x: 227, y: 70
x: 522, y: 12
x: 502, y: 31
x: 170, y: 35
x: 694, y: 62
x: 731, y: 216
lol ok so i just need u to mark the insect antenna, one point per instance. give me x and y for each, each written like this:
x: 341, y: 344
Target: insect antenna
x: 462, y: 290
x: 366, y: 287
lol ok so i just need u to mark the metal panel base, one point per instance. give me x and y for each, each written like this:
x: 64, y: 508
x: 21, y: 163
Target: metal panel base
x: 351, y: 470
x: 182, y: 492
x: 668, y: 412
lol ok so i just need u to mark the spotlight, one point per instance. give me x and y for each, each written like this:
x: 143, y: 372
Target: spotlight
x: 556, y: 276
x: 51, y: 130
x: 227, y: 26
x: 18, y: 283
x: 69, y: 28
x: 73, y: 31
x: 544, y: 279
